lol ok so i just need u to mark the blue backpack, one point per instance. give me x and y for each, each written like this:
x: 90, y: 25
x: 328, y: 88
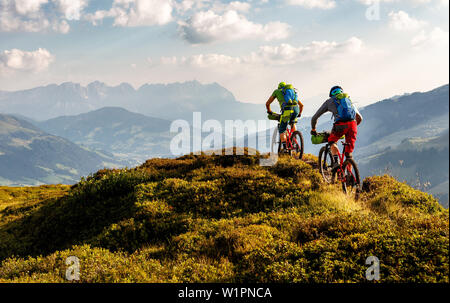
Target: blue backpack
x: 345, y: 108
x: 290, y: 96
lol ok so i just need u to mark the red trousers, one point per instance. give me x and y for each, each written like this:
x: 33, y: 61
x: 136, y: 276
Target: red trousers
x: 349, y: 129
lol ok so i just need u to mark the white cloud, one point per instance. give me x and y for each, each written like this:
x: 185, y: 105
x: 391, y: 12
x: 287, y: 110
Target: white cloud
x: 283, y: 54
x: 22, y: 15
x: 239, y: 6
x: 322, y: 4
x: 414, y: 2
x: 131, y: 13
x: 436, y: 37
x: 402, y: 21
x: 207, y: 26
x: 220, y: 7
x: 71, y: 8
x: 187, y: 5
x: 201, y: 60
x: 10, y: 23
x: 39, y: 15
x: 370, y: 2
x: 61, y: 27
x: 19, y: 60
x: 217, y: 6
x: 439, y: 2
x: 315, y: 51
x: 25, y: 7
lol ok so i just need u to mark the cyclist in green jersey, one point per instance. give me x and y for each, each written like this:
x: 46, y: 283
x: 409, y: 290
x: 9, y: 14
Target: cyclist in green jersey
x: 289, y: 113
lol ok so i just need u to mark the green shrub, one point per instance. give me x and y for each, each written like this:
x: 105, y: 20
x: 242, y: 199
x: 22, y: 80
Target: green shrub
x: 384, y: 191
x: 221, y: 219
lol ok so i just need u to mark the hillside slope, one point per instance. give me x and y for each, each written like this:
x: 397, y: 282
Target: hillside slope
x: 222, y: 219
x: 30, y: 156
x: 408, y: 138
x: 414, y: 114
x: 116, y: 130
x: 423, y: 163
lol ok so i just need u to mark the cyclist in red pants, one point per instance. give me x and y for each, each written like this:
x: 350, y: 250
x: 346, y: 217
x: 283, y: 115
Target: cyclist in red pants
x: 346, y: 120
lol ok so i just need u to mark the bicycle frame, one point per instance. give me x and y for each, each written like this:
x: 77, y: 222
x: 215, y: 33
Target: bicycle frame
x: 341, y: 169
x: 289, y: 133
x: 294, y: 142
x: 345, y: 172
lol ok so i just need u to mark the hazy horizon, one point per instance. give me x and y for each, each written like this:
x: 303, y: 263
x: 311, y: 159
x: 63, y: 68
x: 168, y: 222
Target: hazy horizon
x: 309, y: 110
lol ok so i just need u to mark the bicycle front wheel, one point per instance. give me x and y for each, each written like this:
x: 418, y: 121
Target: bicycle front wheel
x: 351, y: 183
x: 325, y: 165
x: 275, y: 146
x: 297, y: 145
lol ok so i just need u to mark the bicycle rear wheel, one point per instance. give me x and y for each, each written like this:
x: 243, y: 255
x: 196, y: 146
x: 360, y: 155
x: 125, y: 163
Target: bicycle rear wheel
x: 351, y: 183
x: 298, y: 145
x: 325, y: 164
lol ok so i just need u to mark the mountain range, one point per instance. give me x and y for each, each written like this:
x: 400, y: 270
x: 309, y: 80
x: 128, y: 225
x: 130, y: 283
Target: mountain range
x: 165, y: 101
x: 388, y: 122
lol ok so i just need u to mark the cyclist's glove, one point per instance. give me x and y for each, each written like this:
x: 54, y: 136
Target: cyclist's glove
x: 270, y: 112
x: 313, y: 133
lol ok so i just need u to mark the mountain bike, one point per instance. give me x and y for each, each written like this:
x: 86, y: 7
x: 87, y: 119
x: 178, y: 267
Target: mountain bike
x: 294, y: 141
x: 347, y: 173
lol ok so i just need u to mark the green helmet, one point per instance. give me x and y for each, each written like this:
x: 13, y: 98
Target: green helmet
x: 282, y: 85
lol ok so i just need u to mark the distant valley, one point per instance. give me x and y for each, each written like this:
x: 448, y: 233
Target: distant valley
x: 129, y: 136
x: 29, y: 156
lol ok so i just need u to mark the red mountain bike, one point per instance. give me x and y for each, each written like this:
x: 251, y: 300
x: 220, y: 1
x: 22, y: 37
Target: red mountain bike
x: 294, y: 141
x: 347, y: 172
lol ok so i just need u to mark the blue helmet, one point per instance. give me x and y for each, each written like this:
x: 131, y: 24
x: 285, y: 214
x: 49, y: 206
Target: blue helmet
x: 336, y: 90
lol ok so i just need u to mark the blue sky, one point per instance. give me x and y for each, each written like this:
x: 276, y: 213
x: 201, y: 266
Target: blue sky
x: 246, y: 46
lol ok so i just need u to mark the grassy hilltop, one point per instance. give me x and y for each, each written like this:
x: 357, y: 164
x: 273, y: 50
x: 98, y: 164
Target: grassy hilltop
x: 221, y: 219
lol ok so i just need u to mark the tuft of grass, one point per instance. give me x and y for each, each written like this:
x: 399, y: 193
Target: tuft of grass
x: 384, y: 194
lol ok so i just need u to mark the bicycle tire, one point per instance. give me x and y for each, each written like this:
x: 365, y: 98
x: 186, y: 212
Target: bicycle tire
x: 280, y: 151
x: 299, y: 150
x: 355, y: 183
x: 275, y: 144
x: 327, y: 175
